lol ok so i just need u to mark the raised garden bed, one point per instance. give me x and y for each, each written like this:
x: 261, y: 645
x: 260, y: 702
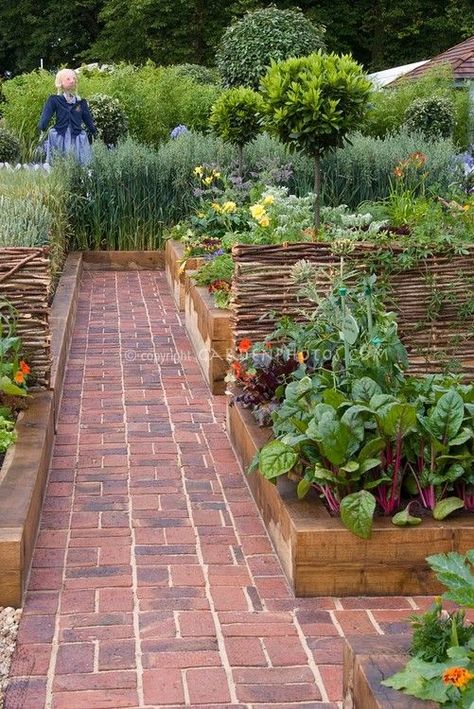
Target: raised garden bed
x: 175, y: 270
x: 367, y: 661
x: 25, y: 469
x: 321, y: 557
x: 123, y: 260
x: 209, y: 330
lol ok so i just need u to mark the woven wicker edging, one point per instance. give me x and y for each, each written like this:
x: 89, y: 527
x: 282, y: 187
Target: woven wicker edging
x: 25, y: 282
x: 25, y: 470
x: 427, y: 297
x: 320, y: 557
x: 368, y: 659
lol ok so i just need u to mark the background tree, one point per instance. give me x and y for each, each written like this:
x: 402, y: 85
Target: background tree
x: 56, y: 31
x: 250, y: 44
x: 311, y: 103
x: 235, y: 117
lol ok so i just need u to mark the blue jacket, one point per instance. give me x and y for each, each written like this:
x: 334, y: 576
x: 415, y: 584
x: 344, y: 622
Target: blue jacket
x: 68, y: 115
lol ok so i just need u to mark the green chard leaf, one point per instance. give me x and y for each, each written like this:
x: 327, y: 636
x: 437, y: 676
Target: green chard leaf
x: 357, y: 512
x: 276, y: 459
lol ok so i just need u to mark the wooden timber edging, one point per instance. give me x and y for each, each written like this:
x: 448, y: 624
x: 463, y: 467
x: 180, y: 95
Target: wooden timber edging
x: 176, y: 268
x: 25, y: 283
x: 368, y: 659
x: 25, y: 469
x: 209, y: 330
x: 62, y: 319
x: 428, y: 298
x: 320, y: 556
x: 123, y: 260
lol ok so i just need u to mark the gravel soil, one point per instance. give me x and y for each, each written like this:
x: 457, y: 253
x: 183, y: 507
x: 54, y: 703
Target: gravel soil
x: 9, y: 620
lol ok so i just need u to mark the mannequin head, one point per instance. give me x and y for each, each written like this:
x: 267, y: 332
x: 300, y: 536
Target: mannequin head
x: 66, y: 81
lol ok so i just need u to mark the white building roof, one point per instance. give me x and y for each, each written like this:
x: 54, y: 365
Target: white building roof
x: 382, y: 78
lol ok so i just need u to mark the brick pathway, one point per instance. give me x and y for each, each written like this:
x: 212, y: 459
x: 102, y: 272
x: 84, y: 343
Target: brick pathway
x: 154, y: 583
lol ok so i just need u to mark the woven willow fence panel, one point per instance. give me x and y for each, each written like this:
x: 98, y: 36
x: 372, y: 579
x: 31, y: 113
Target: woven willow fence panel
x: 25, y: 283
x: 433, y: 300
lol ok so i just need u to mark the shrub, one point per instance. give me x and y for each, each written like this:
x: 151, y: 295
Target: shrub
x: 235, y: 117
x: 9, y: 146
x: 434, y: 117
x: 109, y: 118
x: 311, y: 103
x: 388, y: 105
x: 248, y: 46
x: 198, y: 73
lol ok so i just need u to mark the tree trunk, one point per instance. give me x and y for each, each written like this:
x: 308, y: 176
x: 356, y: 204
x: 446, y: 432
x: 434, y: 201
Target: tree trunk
x: 317, y: 191
x: 240, y: 167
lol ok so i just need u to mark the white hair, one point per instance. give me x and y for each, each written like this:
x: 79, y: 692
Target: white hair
x: 58, y: 81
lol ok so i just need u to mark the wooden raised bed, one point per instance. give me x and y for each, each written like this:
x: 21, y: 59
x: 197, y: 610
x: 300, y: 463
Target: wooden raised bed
x: 209, y: 330
x: 24, y: 473
x: 123, y: 260
x: 175, y: 270
x: 321, y: 557
x: 367, y: 661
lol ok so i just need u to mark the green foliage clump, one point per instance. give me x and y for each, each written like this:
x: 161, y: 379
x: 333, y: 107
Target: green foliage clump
x: 198, y: 73
x: 433, y: 632
x: 250, y: 44
x: 434, y: 117
x: 109, y: 118
x: 220, y: 268
x: 9, y: 146
x: 23, y: 222
x: 7, y: 434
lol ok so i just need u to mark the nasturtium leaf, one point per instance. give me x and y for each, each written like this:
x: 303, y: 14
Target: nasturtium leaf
x: 447, y: 506
x: 276, y: 459
x: 357, y: 512
x: 7, y: 386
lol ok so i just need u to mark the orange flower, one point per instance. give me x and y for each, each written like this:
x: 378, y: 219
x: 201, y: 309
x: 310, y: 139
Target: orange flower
x: 24, y: 367
x: 237, y: 367
x: 398, y: 172
x: 300, y: 357
x: 244, y: 345
x: 268, y: 345
x: 457, y: 676
x: 418, y: 158
x: 19, y: 377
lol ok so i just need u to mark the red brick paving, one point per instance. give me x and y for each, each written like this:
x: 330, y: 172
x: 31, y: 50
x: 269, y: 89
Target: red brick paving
x: 154, y: 583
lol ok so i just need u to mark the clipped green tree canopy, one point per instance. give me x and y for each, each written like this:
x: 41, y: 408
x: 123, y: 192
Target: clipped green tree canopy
x: 235, y: 116
x: 250, y: 44
x: 311, y: 103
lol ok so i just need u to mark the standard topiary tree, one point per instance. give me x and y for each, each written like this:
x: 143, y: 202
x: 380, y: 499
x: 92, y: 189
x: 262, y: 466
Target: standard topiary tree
x: 312, y: 103
x: 235, y: 117
x: 434, y: 117
x: 9, y: 146
x: 250, y: 44
x: 109, y: 117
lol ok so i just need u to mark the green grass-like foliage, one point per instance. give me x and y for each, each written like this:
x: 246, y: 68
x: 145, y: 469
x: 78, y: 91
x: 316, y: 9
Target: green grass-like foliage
x: 251, y: 43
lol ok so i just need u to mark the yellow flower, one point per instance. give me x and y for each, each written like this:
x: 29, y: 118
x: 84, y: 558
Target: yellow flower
x: 198, y: 170
x: 207, y: 180
x: 257, y: 211
x: 264, y: 221
x: 201, y: 215
x: 229, y: 207
x: 300, y: 357
x: 269, y: 199
x: 216, y: 174
x: 216, y: 207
